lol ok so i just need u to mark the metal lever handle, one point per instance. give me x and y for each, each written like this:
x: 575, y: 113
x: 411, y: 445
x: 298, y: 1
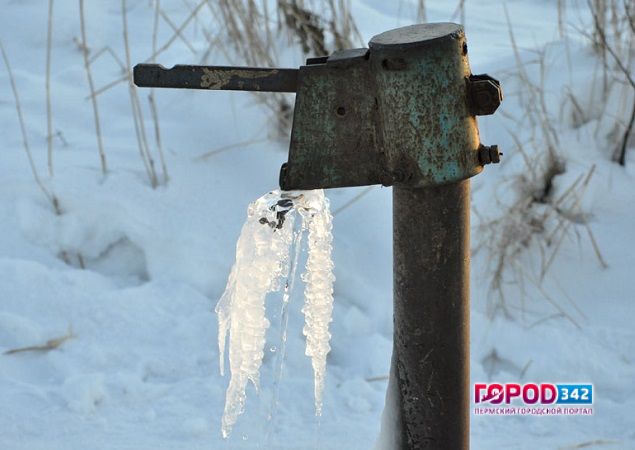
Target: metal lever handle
x: 216, y: 78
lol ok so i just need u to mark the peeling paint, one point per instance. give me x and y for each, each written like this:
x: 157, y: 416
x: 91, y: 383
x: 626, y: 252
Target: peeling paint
x: 407, y: 119
x: 219, y: 78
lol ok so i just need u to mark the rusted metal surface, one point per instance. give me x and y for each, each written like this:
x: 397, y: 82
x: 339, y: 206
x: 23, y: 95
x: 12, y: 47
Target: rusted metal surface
x: 430, y: 366
x: 396, y: 113
x: 429, y: 136
x: 333, y: 140
x: 216, y: 78
x: 399, y: 112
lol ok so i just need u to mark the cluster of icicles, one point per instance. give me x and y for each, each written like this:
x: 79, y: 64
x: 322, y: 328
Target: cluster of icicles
x: 265, y: 264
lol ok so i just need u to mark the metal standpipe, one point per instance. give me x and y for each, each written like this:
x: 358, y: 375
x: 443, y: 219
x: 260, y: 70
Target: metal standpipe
x: 430, y: 365
x: 400, y: 113
x: 428, y: 122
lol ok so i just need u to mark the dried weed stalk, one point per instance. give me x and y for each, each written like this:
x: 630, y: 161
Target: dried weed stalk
x: 137, y: 114
x: 91, y: 85
x: 47, y: 83
x: 613, y: 39
x: 49, y: 194
x: 51, y: 344
x: 539, y: 218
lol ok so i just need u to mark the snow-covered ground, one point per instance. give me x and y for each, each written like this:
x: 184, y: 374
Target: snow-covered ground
x: 141, y: 369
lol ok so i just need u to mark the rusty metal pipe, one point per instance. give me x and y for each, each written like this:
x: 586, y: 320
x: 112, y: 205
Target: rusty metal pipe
x: 430, y: 374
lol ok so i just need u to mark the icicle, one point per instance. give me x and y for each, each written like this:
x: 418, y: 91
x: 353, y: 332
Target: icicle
x: 284, y: 322
x: 262, y: 261
x: 262, y: 258
x: 318, y: 293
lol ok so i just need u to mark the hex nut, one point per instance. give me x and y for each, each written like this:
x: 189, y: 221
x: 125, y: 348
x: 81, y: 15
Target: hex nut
x: 488, y: 154
x: 485, y: 95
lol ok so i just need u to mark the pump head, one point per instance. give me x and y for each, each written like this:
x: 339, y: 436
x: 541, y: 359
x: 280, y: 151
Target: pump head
x: 399, y: 112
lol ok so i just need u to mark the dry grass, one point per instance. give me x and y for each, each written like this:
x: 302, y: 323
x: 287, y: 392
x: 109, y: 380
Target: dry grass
x: 107, y: 50
x: 612, y: 37
x: 540, y: 218
x: 91, y: 85
x: 247, y: 29
x: 251, y: 32
x: 154, y: 54
x: 593, y: 444
x: 137, y: 113
x: 361, y: 194
x: 533, y: 224
x: 422, y: 17
x: 47, y: 83
x: 51, y: 344
x: 225, y: 148
x: 248, y: 33
x: 459, y: 12
x: 48, y: 193
x: 152, y: 99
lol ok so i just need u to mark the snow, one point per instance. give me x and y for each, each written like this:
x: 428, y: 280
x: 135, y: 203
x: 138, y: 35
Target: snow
x: 142, y: 370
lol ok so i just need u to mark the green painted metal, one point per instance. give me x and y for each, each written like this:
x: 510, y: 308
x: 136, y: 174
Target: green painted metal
x: 399, y: 112
x: 333, y: 141
x: 396, y: 113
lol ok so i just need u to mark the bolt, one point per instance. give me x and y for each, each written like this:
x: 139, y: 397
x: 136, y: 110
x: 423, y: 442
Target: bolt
x: 484, y: 95
x: 488, y: 154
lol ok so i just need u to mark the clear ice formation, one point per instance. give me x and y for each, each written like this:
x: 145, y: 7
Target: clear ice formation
x: 263, y: 266
x: 318, y: 291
